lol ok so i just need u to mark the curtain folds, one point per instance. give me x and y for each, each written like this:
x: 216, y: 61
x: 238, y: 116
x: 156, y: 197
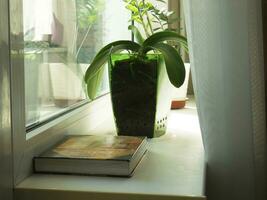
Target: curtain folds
x: 226, y: 56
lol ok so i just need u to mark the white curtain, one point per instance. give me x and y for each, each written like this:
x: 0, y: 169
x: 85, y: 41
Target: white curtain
x: 225, y: 43
x: 37, y: 18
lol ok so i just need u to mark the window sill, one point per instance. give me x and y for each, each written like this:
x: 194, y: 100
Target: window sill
x: 173, y: 168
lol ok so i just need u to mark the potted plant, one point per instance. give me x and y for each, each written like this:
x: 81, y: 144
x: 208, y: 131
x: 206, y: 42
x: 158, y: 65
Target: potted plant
x: 140, y: 80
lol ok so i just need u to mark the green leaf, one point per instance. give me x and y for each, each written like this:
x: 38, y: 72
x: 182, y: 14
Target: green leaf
x: 174, y: 63
x: 132, y: 8
x: 141, y: 4
x: 138, y: 36
x: 94, y: 83
x: 166, y: 36
x: 136, y: 18
x: 101, y: 58
x: 149, y: 5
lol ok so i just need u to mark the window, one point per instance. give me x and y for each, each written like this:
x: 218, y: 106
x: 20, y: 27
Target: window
x: 52, y: 42
x: 60, y: 39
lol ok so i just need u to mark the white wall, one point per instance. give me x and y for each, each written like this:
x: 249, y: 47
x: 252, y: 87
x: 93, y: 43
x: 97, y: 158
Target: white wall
x: 5, y: 126
x: 225, y: 39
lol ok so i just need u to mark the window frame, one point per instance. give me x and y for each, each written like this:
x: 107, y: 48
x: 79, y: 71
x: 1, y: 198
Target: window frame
x: 6, y: 153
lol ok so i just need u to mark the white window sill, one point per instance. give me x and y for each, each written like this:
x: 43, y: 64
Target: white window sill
x: 173, y: 168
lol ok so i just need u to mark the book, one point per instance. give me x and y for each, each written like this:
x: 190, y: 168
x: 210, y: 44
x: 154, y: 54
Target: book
x: 93, y: 155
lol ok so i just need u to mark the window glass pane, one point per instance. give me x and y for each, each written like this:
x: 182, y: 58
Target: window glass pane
x: 60, y: 39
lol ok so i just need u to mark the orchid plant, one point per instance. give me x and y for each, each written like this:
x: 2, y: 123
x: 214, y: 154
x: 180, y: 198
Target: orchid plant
x: 156, y: 42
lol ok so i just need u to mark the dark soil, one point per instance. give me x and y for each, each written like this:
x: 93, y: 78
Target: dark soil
x: 134, y: 87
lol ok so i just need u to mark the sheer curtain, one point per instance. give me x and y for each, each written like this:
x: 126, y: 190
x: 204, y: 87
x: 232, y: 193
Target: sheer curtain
x: 226, y: 54
x: 41, y: 18
x: 65, y: 23
x: 37, y: 18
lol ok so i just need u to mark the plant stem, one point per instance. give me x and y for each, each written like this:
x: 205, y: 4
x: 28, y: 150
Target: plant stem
x: 142, y: 19
x: 161, y: 25
x: 149, y: 23
x: 148, y: 20
x: 143, y: 24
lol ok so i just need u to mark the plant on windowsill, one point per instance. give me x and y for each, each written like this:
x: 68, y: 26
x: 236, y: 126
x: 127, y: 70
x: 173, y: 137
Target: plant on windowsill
x: 140, y: 80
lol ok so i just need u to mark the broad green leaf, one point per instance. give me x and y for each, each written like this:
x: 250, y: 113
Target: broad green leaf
x: 94, y: 83
x: 104, y: 53
x: 102, y: 57
x: 117, y: 46
x: 138, y: 36
x: 174, y: 63
x: 166, y: 36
